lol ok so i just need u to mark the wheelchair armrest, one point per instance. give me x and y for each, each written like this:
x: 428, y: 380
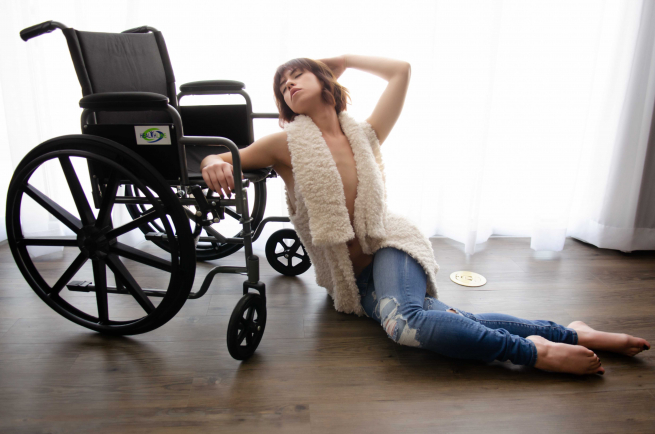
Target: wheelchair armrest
x: 255, y: 175
x: 208, y: 86
x: 124, y: 101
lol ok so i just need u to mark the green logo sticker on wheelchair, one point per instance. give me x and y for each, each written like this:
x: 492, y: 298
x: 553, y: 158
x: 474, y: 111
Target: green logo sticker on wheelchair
x: 152, y: 135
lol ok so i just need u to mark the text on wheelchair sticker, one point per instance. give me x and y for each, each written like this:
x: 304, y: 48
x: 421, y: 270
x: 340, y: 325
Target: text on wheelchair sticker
x: 152, y: 135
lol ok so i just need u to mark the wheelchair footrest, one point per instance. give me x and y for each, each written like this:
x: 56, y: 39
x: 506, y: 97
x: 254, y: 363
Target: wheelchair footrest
x: 84, y: 286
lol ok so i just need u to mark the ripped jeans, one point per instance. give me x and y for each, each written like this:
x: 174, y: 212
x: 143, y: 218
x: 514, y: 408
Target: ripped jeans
x: 393, y: 293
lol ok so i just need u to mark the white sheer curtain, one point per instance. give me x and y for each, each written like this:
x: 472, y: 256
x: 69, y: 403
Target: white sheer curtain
x: 523, y: 118
x: 609, y: 209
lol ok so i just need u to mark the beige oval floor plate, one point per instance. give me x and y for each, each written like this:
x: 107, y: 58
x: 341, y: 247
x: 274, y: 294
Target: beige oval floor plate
x: 467, y: 278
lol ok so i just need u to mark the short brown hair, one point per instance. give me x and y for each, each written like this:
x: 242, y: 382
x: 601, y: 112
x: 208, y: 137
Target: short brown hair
x: 333, y: 93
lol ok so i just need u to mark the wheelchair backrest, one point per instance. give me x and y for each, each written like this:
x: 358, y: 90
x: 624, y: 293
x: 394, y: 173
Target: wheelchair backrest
x: 123, y: 62
x: 139, y: 62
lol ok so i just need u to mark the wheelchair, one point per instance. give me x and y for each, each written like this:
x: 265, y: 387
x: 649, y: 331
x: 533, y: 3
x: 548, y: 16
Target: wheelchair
x: 141, y: 150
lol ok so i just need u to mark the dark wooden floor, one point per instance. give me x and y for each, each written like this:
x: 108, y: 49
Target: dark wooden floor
x: 320, y: 371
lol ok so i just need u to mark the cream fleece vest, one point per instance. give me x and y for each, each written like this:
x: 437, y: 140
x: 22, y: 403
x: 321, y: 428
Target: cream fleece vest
x: 321, y: 218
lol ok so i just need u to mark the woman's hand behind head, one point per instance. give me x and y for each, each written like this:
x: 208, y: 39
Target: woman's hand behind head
x: 336, y: 64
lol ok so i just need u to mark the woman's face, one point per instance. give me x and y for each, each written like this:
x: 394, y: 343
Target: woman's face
x: 307, y: 90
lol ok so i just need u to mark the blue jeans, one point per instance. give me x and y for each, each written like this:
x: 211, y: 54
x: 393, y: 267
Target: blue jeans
x: 393, y: 291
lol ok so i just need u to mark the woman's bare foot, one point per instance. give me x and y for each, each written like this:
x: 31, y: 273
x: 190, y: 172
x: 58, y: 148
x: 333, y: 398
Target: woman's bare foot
x: 558, y: 357
x: 616, y: 342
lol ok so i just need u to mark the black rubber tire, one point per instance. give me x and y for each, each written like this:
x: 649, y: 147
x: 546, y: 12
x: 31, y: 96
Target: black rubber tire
x: 249, y: 329
x: 288, y: 270
x: 211, y: 251
x: 124, y: 165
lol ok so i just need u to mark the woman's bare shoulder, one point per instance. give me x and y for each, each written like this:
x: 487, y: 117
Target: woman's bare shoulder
x: 275, y: 146
x: 281, y: 146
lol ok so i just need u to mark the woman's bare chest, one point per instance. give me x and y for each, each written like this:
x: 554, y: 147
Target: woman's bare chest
x: 344, y: 160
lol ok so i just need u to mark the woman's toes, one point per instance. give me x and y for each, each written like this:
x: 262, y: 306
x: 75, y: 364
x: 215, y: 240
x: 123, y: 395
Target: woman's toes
x: 636, y: 345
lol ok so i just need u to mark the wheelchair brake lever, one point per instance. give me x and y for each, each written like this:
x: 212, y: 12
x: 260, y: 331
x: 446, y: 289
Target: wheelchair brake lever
x: 217, y: 211
x: 205, y: 206
x: 201, y: 200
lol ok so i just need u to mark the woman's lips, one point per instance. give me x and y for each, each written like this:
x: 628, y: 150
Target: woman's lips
x: 294, y: 94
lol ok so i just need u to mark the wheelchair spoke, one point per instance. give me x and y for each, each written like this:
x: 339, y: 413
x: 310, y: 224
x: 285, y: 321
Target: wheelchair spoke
x: 100, y: 280
x: 119, y: 270
x: 53, y: 208
x: 51, y: 241
x: 141, y: 256
x: 68, y: 274
x: 294, y: 247
x: 241, y: 333
x: 146, y: 218
x: 249, y: 338
x: 251, y: 313
x: 79, y: 197
x: 108, y: 198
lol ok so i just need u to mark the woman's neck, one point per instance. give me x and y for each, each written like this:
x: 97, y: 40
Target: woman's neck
x: 327, y: 120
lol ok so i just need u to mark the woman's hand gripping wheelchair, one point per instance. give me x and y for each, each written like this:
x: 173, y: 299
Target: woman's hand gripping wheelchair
x: 133, y: 143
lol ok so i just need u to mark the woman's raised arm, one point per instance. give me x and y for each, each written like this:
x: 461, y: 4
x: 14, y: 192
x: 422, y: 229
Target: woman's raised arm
x: 397, y: 73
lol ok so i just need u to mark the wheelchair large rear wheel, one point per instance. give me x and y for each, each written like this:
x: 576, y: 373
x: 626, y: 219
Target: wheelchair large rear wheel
x: 90, y: 238
x: 208, y: 251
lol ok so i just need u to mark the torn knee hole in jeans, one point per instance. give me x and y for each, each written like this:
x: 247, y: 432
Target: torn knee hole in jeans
x: 454, y: 311
x: 395, y: 324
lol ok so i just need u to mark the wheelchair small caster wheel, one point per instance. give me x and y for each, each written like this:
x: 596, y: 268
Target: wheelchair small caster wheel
x: 282, y: 261
x: 246, y: 328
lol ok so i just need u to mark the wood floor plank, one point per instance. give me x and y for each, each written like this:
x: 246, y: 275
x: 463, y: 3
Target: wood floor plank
x: 277, y: 419
x: 317, y: 370
x: 593, y: 412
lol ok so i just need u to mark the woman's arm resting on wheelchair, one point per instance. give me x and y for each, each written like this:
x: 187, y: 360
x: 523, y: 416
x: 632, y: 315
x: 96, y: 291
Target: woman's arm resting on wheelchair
x: 218, y: 172
x: 397, y: 73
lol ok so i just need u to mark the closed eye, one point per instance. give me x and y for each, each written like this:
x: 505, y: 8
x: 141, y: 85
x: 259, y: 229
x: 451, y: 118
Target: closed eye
x: 285, y: 88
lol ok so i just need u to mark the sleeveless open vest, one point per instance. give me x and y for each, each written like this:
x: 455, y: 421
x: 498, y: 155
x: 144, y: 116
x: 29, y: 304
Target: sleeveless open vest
x: 321, y: 218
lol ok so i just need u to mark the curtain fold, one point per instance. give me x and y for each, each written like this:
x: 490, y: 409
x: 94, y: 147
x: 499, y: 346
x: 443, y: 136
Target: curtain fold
x: 616, y: 212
